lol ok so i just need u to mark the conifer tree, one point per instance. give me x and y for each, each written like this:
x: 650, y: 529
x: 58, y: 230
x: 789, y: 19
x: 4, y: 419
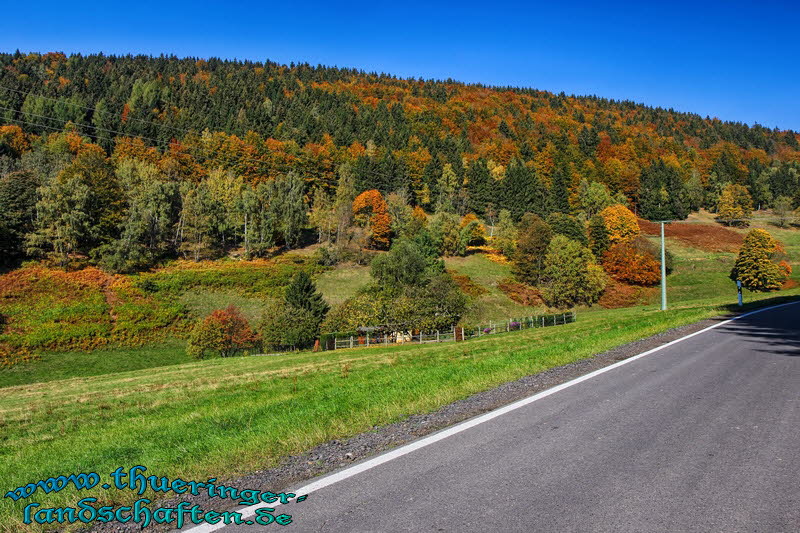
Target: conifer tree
x: 534, y: 236
x: 63, y: 220
x: 598, y: 236
x: 302, y: 293
x: 662, y: 193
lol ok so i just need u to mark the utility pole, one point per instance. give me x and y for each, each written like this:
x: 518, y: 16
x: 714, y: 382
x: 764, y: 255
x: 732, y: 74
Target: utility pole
x: 663, y: 270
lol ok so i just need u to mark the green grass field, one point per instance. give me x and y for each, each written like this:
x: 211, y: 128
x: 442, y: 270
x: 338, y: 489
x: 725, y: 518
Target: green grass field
x: 226, y: 417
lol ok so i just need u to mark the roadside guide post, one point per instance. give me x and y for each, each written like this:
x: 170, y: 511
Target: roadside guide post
x: 739, y: 290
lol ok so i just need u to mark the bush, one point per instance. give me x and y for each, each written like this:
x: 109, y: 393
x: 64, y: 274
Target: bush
x: 438, y: 304
x: 284, y: 326
x: 476, y: 232
x: 505, y: 236
x: 224, y: 332
x: 404, y: 264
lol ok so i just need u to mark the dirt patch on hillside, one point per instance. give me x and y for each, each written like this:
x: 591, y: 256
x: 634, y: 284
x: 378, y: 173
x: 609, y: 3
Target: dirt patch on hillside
x: 466, y: 284
x: 521, y: 293
x: 710, y: 237
x: 618, y: 294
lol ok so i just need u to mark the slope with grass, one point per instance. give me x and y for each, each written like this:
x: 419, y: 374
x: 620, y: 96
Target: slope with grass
x: 494, y: 304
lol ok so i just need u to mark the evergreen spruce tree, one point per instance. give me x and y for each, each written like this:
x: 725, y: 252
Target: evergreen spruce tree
x: 598, y: 236
x: 534, y: 236
x: 479, y: 187
x: 662, y: 193
x: 559, y: 190
x: 302, y: 294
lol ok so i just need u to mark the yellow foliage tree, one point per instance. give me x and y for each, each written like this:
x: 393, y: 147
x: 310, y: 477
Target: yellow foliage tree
x: 621, y: 223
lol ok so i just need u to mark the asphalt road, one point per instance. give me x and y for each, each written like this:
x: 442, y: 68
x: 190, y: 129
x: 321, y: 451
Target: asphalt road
x: 701, y: 436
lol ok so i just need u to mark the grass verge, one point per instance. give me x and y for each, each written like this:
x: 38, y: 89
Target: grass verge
x: 224, y: 418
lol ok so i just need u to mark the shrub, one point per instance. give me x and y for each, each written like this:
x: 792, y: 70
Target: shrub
x: 755, y: 267
x: 224, y: 332
x: 621, y: 223
x: 284, y: 326
x: 505, y: 238
x: 475, y: 231
x: 439, y: 304
x: 450, y: 238
x: 406, y: 263
x: 782, y: 211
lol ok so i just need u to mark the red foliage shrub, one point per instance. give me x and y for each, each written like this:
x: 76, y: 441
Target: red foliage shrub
x: 521, y: 293
x: 224, y: 332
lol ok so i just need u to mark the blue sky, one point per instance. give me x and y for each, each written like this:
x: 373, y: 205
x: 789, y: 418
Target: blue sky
x: 736, y: 61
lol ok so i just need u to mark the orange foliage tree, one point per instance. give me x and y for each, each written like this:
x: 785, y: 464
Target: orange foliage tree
x: 624, y: 262
x: 370, y: 209
x: 621, y: 223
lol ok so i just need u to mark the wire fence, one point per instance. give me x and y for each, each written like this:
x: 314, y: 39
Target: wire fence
x: 453, y: 335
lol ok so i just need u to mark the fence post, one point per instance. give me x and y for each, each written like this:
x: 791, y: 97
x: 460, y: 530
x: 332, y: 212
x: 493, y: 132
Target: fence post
x: 437, y: 335
x: 542, y: 321
x: 351, y: 341
x: 367, y: 339
x: 334, y: 342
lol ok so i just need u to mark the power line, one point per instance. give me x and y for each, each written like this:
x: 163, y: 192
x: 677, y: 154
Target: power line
x: 231, y: 160
x: 92, y: 109
x: 151, y: 123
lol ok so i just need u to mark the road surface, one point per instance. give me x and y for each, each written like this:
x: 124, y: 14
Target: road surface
x: 703, y: 435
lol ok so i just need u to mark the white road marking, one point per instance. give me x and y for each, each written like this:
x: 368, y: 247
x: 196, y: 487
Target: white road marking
x: 463, y: 426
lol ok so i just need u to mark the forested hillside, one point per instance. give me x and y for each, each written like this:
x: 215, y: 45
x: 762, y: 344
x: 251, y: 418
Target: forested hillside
x: 128, y: 160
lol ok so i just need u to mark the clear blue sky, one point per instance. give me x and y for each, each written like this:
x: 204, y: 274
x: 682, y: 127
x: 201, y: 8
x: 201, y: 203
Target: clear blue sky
x: 731, y: 60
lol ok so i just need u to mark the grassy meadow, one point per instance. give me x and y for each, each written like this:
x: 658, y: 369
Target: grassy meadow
x: 226, y: 417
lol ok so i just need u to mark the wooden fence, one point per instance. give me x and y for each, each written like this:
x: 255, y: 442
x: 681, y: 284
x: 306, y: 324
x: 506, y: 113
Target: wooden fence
x: 454, y: 334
